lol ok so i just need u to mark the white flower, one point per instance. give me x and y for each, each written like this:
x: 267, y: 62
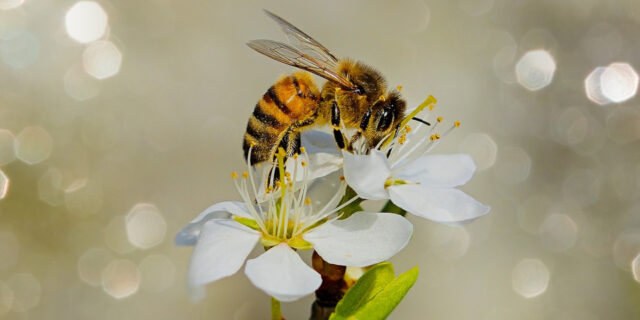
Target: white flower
x: 421, y: 184
x: 286, y: 221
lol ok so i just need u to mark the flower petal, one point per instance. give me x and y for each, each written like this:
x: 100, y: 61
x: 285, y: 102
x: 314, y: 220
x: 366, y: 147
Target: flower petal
x: 318, y: 165
x: 362, y: 239
x: 437, y: 204
x: 189, y: 234
x: 221, y: 249
x: 316, y: 141
x: 366, y: 174
x: 282, y: 274
x: 441, y: 170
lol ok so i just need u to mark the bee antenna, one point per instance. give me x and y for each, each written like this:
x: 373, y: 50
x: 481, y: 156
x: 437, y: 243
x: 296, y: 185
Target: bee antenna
x: 420, y: 120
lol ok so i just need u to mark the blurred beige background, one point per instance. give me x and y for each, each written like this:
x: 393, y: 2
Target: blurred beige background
x: 121, y: 120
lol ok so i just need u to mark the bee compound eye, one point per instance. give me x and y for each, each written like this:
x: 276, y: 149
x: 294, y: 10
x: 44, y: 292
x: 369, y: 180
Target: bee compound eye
x: 386, y: 118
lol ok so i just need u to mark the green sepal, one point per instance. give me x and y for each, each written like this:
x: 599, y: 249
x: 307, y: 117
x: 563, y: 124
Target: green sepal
x: 247, y: 222
x: 375, y: 294
x: 352, y: 207
x: 299, y: 243
x: 392, y: 208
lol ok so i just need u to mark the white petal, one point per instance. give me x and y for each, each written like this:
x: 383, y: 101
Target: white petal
x: 437, y: 204
x: 362, y: 239
x: 316, y: 141
x: 282, y: 274
x: 318, y: 165
x: 441, y: 170
x: 189, y: 234
x: 366, y: 174
x: 322, y: 164
x: 221, y: 249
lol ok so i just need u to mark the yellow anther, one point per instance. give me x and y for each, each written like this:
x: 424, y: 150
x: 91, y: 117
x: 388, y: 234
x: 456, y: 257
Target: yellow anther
x: 407, y: 128
x: 245, y: 174
x: 295, y: 156
x: 307, y: 201
x: 439, y: 119
x: 399, y: 88
x: 234, y: 174
x: 437, y: 136
x: 290, y: 184
x: 302, y: 149
x: 252, y: 144
x: 431, y: 107
x: 382, y: 98
x: 341, y: 178
x: 433, y: 137
x: 303, y: 163
x: 456, y: 124
x: 287, y: 174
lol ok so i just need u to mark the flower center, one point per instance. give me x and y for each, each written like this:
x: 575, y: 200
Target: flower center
x: 285, y: 213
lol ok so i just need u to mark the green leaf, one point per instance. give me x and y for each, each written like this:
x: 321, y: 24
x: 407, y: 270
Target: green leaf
x: 370, y: 284
x: 375, y: 294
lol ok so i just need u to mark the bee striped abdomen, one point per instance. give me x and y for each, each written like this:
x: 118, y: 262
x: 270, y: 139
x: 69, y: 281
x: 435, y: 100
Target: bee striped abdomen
x: 288, y: 102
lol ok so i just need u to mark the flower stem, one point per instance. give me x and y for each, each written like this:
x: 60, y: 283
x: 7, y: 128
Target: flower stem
x: 275, y: 309
x: 392, y: 208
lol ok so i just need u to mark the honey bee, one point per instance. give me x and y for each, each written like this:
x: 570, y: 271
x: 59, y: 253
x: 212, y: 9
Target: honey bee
x: 354, y: 97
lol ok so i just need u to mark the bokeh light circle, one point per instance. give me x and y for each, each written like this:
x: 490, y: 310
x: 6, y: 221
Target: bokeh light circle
x: 558, y: 232
x: 86, y: 21
x: 535, y: 69
x: 27, y: 291
x: 33, y: 145
x: 4, y: 184
x: 92, y: 263
x: 530, y: 278
x: 619, y: 82
x: 121, y: 278
x: 7, y: 147
x: 145, y: 226
x: 482, y: 148
x: 102, y: 59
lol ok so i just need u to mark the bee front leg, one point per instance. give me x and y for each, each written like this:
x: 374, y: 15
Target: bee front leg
x: 335, y: 124
x: 364, y: 124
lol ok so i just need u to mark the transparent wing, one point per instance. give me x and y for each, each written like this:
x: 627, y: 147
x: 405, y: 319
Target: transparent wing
x: 293, y: 57
x: 304, y: 42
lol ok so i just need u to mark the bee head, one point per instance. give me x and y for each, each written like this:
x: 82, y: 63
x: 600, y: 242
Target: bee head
x: 388, y: 113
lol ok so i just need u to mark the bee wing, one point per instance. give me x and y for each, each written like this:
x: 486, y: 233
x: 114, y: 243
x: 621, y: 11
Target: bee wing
x: 304, y: 42
x: 294, y: 57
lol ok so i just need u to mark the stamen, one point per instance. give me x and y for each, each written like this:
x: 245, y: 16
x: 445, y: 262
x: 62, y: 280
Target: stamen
x: 399, y: 88
x: 428, y: 102
x: 245, y: 174
x: 307, y: 201
x: 234, y: 175
x: 439, y: 119
x: 456, y: 124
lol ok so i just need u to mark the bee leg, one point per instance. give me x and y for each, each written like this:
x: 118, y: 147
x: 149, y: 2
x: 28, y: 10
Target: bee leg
x: 335, y: 124
x: 364, y: 124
